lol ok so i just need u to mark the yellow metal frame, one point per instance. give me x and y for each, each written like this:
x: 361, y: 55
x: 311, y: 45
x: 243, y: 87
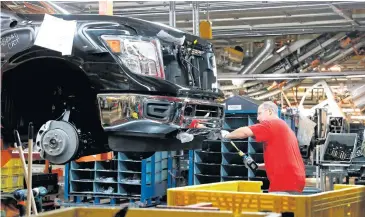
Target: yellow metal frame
x: 234, y: 54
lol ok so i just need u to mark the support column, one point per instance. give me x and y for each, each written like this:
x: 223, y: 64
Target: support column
x: 172, y: 14
x: 196, y: 18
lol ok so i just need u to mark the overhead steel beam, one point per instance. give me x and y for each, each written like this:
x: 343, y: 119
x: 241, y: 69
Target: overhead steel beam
x: 280, y: 32
x: 289, y: 85
x: 226, y: 6
x: 310, y: 53
x: 238, y: 19
x: 280, y: 55
x: 304, y: 84
x: 218, y: 43
x: 313, y: 51
x: 289, y: 76
x: 342, y: 14
x: 277, y: 25
x: 345, y: 53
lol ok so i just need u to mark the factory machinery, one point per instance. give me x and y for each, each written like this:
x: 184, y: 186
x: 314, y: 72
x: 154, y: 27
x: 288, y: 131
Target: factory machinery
x: 336, y: 150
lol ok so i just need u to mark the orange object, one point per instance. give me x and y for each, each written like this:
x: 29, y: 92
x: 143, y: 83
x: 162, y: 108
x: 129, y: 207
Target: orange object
x: 315, y: 63
x: 46, y: 167
x: 345, y: 42
x: 114, y: 45
x: 205, y: 29
x: 5, y: 157
x: 9, y: 210
x: 96, y: 157
x: 58, y: 171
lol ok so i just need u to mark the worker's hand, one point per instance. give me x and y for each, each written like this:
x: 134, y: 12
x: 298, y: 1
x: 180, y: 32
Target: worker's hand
x: 224, y: 133
x: 200, y: 126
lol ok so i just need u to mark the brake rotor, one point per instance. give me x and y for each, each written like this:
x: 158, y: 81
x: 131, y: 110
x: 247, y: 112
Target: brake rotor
x: 58, y: 141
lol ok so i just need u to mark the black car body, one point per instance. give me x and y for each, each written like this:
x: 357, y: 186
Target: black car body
x: 103, y: 97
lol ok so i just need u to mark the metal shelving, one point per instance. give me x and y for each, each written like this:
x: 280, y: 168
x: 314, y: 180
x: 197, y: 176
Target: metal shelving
x: 123, y: 177
x: 207, y: 163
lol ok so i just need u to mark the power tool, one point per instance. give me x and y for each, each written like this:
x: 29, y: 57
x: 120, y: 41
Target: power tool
x: 38, y: 193
x: 249, y: 162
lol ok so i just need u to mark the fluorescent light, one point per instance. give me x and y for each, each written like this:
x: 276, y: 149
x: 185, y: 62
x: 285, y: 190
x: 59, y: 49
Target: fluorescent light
x: 335, y: 68
x: 339, y: 79
x: 355, y: 76
x: 281, y: 49
x: 350, y: 110
x: 268, y: 57
x: 358, y: 117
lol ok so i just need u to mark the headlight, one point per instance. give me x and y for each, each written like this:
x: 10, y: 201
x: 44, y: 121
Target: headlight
x: 141, y: 55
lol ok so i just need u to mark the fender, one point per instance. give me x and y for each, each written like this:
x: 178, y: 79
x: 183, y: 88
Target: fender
x: 36, y: 52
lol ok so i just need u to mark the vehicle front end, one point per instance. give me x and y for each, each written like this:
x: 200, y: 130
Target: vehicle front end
x: 180, y: 78
x: 155, y: 122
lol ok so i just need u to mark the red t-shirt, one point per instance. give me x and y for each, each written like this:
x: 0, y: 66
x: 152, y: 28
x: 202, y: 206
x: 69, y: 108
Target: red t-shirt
x: 283, y: 161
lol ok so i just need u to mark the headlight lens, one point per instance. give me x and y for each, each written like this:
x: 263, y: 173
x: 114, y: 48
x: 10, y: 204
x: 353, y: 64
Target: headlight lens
x: 141, y: 55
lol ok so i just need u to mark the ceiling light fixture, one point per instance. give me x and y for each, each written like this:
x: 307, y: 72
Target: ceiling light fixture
x: 358, y: 117
x: 281, y: 49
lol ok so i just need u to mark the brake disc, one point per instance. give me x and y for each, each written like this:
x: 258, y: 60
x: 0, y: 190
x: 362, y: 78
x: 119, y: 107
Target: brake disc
x: 58, y: 141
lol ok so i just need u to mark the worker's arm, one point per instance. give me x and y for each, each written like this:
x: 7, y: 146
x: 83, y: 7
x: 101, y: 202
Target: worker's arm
x: 200, y: 126
x: 261, y: 166
x: 240, y: 133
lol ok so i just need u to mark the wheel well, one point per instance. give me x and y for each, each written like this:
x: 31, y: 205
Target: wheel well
x: 38, y: 90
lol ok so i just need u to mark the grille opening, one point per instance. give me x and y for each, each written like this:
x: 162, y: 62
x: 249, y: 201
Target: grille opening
x: 159, y: 110
x: 203, y: 111
x: 189, y: 111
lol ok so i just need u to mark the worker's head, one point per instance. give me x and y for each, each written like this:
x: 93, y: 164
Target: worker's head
x: 266, y: 111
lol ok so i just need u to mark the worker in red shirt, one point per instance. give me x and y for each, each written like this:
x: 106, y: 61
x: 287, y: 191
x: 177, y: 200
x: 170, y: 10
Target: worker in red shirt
x: 282, y: 159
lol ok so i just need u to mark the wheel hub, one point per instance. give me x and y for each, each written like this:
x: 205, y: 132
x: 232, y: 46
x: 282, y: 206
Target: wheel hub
x: 55, y: 141
x: 58, y: 141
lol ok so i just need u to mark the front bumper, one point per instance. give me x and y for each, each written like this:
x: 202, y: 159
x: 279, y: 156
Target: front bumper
x: 129, y: 119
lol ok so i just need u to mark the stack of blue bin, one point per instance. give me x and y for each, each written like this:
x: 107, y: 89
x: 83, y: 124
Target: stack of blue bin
x: 125, y: 177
